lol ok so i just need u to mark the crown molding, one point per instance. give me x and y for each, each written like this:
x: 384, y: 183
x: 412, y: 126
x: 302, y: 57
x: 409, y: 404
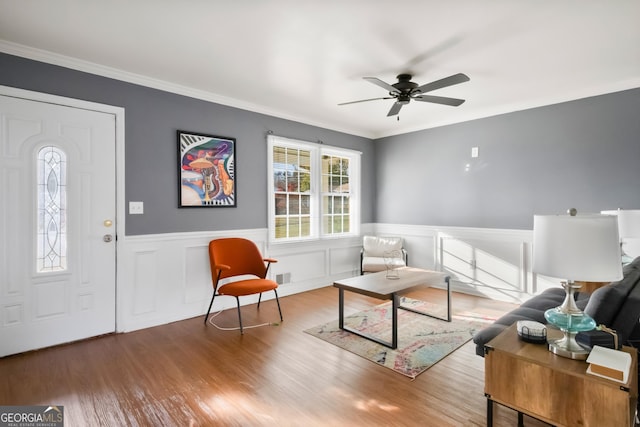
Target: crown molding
x: 138, y: 79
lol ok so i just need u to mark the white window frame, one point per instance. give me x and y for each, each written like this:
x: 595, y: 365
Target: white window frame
x: 317, y: 150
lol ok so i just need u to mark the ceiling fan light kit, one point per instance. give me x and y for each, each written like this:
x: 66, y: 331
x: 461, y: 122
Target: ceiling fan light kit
x: 405, y: 90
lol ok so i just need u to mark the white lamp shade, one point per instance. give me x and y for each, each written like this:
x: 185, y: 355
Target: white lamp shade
x: 629, y: 223
x: 578, y: 248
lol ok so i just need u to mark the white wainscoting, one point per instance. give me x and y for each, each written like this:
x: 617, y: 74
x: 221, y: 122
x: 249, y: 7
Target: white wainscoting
x: 165, y: 277
x: 494, y: 263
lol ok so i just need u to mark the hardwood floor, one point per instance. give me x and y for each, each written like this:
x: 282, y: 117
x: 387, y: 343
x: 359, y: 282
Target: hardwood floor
x: 189, y: 374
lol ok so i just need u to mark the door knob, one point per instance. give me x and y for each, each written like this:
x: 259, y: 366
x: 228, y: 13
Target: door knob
x: 108, y: 223
x: 107, y: 238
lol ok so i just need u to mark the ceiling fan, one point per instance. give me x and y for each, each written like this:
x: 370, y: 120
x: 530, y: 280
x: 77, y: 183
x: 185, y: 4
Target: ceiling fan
x: 406, y: 90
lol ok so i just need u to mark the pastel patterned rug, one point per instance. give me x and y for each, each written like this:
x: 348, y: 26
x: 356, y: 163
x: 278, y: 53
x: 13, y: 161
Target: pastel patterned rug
x: 422, y: 340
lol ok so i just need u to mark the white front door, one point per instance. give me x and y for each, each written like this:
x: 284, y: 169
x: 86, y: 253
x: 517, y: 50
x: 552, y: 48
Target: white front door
x: 57, y: 216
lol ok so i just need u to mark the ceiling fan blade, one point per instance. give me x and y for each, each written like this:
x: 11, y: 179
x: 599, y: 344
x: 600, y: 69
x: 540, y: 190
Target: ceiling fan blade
x: 395, y: 109
x: 447, y: 81
x: 376, y: 81
x: 454, y: 102
x: 365, y: 100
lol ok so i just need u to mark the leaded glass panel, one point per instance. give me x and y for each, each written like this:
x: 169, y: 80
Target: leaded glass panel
x: 51, y: 253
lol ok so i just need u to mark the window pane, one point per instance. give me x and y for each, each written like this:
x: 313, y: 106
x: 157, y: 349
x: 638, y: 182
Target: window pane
x: 337, y: 224
x: 294, y: 205
x: 305, y: 204
x: 327, y: 205
x: 279, y: 156
x: 337, y: 205
x: 281, y: 204
x: 51, y: 244
x: 292, y: 183
x: 335, y: 184
x: 294, y: 227
x: 305, y: 182
x: 303, y: 172
x: 344, y: 188
x: 281, y: 228
x: 292, y: 159
x: 279, y: 181
x: 326, y: 224
x: 305, y: 226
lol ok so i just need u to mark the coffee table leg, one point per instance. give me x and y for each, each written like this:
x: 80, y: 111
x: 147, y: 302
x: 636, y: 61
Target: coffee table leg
x: 394, y: 320
x: 447, y: 280
x: 341, y: 308
x: 448, y: 318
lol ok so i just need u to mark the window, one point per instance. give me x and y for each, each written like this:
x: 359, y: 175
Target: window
x: 313, y: 190
x: 51, y: 254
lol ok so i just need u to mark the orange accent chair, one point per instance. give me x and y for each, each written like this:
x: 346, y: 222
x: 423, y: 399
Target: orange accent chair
x: 232, y: 257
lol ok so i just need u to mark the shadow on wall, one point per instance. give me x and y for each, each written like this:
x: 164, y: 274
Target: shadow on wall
x: 497, y: 270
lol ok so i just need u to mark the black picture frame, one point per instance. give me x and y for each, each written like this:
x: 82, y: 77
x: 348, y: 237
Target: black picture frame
x: 207, y: 175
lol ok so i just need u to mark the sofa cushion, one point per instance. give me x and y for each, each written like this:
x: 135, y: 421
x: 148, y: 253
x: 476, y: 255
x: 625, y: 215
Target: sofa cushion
x: 551, y: 297
x: 607, y: 301
x: 373, y: 264
x: 376, y: 246
x: 626, y: 321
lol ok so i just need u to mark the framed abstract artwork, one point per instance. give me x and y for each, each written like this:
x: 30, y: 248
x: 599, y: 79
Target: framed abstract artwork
x: 207, y: 170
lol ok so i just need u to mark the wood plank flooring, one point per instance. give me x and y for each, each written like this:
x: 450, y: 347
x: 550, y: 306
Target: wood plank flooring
x: 189, y: 374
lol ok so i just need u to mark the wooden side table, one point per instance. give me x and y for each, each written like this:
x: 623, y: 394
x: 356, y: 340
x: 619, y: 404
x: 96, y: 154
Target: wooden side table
x: 589, y: 287
x: 531, y: 380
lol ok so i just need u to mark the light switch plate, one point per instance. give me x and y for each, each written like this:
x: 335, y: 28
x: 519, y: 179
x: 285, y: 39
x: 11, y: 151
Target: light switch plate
x: 474, y: 151
x: 136, y: 208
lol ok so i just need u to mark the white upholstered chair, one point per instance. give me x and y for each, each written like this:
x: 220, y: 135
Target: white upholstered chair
x: 372, y: 257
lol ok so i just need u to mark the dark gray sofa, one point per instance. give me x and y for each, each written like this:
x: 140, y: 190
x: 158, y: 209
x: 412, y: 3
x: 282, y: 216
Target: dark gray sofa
x: 616, y: 305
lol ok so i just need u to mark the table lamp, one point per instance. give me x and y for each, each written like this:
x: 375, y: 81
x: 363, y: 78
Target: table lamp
x: 575, y: 248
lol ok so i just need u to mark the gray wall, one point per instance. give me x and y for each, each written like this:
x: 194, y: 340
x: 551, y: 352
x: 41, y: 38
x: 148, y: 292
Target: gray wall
x: 152, y: 118
x: 583, y: 154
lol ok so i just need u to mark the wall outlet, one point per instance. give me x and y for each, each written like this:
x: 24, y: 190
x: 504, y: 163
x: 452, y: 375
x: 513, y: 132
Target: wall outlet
x: 474, y: 152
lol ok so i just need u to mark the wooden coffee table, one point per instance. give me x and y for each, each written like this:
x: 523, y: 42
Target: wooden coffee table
x: 377, y: 285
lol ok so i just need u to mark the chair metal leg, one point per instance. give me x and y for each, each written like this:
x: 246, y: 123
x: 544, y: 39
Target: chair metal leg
x: 209, y: 311
x: 278, y: 302
x: 259, y: 299
x: 239, y: 315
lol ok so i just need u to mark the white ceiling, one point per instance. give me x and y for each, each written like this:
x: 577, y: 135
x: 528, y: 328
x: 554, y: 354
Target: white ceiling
x: 298, y: 59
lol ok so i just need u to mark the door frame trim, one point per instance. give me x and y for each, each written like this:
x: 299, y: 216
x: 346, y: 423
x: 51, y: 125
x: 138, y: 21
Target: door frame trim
x: 119, y: 114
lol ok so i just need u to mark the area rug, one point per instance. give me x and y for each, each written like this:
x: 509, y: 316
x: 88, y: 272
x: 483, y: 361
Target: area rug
x: 422, y: 340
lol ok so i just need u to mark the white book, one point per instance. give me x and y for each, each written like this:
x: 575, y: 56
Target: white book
x: 609, y: 363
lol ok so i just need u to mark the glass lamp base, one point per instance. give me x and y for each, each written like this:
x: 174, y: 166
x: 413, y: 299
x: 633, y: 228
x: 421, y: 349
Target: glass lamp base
x: 570, y: 320
x: 567, y: 346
